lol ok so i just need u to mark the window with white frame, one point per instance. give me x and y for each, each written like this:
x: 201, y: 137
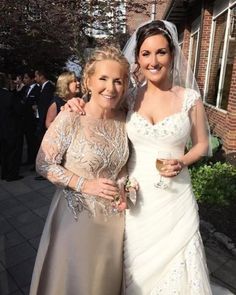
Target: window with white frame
x: 221, y: 58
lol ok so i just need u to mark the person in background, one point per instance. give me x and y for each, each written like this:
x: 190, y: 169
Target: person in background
x: 81, y: 248
x: 10, y: 132
x: 30, y: 101
x: 67, y: 87
x: 19, y: 83
x: 45, y: 99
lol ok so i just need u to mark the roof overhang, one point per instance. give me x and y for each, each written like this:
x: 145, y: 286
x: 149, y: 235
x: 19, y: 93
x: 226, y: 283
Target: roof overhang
x: 179, y: 10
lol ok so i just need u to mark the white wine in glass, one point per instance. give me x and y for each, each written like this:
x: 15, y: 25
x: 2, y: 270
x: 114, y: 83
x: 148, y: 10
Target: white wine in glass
x: 159, y: 164
x: 163, y: 181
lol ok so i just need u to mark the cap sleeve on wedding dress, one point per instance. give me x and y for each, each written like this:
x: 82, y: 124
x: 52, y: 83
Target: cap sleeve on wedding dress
x: 190, y: 99
x: 53, y: 147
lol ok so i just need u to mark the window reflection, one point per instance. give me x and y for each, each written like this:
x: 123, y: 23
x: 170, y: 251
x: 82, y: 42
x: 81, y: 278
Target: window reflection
x: 229, y: 60
x: 216, y: 58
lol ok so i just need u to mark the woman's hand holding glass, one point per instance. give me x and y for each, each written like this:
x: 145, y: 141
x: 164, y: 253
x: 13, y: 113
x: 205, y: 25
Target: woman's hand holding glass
x: 167, y: 168
x: 171, y: 168
x: 107, y: 189
x: 101, y: 187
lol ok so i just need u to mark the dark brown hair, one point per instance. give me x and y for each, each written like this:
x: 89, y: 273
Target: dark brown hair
x: 153, y: 28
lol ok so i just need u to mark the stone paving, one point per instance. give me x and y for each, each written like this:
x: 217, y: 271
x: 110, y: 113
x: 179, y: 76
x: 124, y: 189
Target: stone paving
x: 23, y: 209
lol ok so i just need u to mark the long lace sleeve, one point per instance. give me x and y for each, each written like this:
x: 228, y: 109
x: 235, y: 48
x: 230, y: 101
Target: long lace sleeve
x: 49, y: 162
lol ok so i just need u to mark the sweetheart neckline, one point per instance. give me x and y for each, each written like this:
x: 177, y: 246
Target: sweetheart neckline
x: 158, y: 122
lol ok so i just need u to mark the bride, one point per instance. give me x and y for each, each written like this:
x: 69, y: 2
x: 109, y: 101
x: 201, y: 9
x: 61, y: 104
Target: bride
x: 163, y: 250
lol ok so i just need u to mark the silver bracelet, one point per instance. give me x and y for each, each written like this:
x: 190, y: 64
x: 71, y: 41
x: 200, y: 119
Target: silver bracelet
x: 79, y: 184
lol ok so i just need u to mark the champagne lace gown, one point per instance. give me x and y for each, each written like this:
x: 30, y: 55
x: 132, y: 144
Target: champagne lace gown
x: 163, y: 252
x: 80, y: 252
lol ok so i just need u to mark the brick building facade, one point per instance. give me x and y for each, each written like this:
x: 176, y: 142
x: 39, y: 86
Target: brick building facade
x: 207, y: 35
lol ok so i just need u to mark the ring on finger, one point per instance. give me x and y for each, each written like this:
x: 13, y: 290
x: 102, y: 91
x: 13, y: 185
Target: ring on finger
x: 117, y: 199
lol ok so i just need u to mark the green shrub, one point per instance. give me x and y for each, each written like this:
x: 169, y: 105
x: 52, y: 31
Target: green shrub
x: 216, y: 143
x: 214, y: 183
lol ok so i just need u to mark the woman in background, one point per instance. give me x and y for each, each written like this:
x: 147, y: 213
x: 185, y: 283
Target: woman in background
x: 67, y: 87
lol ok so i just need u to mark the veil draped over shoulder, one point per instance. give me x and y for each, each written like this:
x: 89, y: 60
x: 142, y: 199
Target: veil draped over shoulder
x: 181, y: 73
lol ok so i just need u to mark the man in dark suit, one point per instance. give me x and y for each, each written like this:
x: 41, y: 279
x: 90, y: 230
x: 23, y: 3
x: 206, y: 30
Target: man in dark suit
x: 45, y: 98
x: 30, y: 101
x: 10, y: 132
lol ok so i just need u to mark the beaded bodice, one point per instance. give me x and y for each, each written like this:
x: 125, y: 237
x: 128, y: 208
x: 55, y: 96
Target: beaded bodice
x: 170, y: 133
x: 84, y: 146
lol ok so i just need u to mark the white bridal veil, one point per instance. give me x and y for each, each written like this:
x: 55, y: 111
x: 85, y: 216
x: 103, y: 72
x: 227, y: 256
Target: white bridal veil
x: 182, y: 74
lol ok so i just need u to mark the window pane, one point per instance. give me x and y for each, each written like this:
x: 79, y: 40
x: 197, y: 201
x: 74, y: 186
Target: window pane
x: 229, y: 61
x: 216, y: 58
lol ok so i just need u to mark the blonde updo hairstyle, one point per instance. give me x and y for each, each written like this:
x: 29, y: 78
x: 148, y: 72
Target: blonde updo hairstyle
x: 63, y: 82
x: 100, y: 54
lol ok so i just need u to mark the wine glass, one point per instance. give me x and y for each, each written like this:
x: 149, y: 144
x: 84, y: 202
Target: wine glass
x: 163, y: 182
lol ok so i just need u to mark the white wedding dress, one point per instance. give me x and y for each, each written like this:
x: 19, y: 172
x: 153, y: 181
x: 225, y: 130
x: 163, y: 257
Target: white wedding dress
x: 163, y: 251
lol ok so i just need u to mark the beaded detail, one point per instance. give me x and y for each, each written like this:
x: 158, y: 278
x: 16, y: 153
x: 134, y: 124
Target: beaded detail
x: 78, y: 202
x: 186, y: 266
x: 87, y: 147
x: 169, y: 126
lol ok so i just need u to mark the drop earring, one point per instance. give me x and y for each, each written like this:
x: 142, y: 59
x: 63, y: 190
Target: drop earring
x: 87, y: 96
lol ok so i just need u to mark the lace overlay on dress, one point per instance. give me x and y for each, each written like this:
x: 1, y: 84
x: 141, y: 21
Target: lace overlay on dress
x: 87, y: 147
x: 186, y: 266
x: 78, y: 202
x: 191, y: 97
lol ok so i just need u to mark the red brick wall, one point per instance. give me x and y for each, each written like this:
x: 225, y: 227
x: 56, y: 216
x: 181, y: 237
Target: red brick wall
x: 186, y: 42
x: 162, y: 7
x: 217, y: 121
x: 135, y: 19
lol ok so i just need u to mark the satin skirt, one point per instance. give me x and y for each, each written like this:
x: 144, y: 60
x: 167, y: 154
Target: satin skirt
x: 81, y: 257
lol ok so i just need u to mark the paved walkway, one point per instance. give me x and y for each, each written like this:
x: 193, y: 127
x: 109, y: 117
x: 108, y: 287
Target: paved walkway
x: 23, y: 208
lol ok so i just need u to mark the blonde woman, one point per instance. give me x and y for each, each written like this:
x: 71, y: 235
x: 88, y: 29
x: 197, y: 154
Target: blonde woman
x: 82, y: 243
x: 67, y: 87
